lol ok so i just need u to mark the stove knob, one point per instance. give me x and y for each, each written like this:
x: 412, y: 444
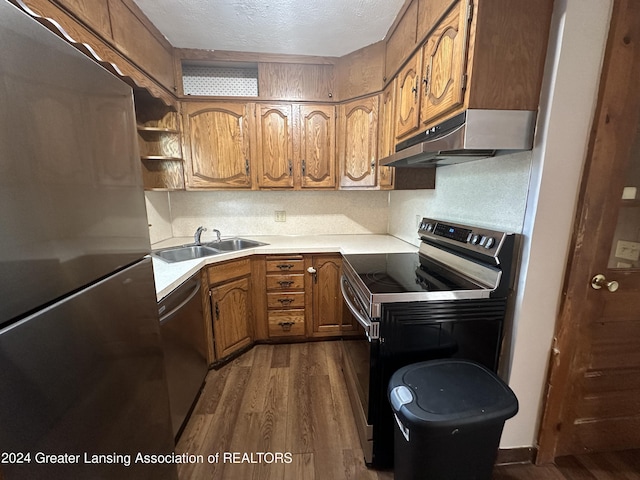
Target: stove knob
x: 490, y: 243
x: 429, y: 227
x: 475, y: 239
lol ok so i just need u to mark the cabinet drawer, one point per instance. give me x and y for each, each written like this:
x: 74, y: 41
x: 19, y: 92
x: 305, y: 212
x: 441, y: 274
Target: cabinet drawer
x: 227, y: 271
x: 285, y: 300
x: 286, y: 323
x: 285, y: 265
x: 285, y: 282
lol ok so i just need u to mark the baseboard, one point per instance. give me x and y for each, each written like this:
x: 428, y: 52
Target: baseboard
x: 507, y: 456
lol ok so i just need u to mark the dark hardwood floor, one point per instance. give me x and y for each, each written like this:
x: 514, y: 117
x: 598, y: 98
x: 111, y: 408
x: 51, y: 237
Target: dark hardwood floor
x: 292, y: 400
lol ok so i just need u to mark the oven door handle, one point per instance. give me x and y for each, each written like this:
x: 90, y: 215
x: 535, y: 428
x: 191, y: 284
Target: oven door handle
x: 369, y: 327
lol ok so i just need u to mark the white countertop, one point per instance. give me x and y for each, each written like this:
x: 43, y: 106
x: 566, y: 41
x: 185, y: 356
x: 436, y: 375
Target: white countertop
x: 169, y: 275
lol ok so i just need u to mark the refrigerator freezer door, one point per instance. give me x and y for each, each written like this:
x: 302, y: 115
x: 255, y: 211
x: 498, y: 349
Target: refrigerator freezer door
x: 71, y: 201
x: 85, y: 376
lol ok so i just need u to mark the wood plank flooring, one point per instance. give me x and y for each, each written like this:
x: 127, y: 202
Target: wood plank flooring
x: 291, y: 399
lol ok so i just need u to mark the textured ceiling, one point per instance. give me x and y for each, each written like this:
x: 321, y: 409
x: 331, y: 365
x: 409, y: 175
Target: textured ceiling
x: 302, y: 27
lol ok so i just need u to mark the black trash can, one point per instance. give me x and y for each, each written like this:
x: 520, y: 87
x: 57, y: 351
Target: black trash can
x: 449, y: 418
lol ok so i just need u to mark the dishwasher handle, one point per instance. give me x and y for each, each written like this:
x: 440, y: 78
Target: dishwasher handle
x: 164, y: 318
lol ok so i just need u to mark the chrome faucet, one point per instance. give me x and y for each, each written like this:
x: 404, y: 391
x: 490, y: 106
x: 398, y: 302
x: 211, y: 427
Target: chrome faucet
x: 217, y: 232
x: 198, y: 234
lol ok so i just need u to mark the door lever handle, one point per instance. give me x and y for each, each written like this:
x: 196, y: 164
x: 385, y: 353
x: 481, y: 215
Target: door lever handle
x: 600, y: 281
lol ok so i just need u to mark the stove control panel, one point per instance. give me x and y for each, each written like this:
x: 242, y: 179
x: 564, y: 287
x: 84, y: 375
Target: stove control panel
x: 472, y: 238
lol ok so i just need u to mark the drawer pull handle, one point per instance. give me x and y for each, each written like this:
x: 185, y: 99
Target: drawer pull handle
x: 285, y: 283
x: 286, y: 326
x: 285, y: 301
x: 285, y: 266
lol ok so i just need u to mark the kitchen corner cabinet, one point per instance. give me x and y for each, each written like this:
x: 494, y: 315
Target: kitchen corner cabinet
x: 218, y: 144
x: 358, y: 143
x: 230, y: 309
x: 296, y: 146
x: 327, y: 317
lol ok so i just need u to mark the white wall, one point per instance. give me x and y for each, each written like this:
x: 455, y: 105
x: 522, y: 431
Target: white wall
x: 567, y: 106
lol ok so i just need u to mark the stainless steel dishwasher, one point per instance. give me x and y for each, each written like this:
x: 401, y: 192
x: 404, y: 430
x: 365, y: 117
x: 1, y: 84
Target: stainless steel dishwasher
x: 182, y: 329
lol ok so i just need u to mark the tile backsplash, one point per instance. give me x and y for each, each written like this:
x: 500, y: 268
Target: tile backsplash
x: 253, y: 213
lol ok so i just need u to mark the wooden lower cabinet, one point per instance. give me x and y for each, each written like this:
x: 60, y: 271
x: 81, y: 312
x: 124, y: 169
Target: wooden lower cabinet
x: 327, y: 315
x: 285, y: 296
x: 279, y: 298
x: 231, y: 312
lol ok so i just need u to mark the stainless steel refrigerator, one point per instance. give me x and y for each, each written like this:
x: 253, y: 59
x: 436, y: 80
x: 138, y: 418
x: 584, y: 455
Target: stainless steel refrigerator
x: 81, y: 366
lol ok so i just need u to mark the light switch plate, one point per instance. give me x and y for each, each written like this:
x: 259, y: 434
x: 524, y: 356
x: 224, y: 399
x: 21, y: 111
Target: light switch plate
x: 281, y: 216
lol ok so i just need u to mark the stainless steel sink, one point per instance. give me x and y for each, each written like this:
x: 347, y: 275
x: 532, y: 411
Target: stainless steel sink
x: 191, y: 252
x: 188, y: 252
x: 233, y: 244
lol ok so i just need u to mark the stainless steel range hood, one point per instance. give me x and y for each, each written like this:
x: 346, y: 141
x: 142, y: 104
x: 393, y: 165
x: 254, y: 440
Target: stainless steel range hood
x: 471, y: 135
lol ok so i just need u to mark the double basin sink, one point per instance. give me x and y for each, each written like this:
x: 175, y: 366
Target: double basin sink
x: 192, y: 251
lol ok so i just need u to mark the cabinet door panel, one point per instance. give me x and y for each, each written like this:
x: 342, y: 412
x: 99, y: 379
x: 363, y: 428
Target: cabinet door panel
x: 444, y: 65
x: 219, y: 146
x: 275, y: 145
x: 230, y: 308
x: 317, y: 146
x: 327, y: 299
x: 407, y: 104
x: 358, y: 139
x: 387, y: 134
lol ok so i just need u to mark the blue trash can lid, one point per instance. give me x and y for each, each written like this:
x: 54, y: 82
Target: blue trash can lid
x: 452, y: 390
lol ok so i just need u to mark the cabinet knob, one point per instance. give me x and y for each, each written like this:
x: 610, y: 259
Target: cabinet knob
x: 313, y: 272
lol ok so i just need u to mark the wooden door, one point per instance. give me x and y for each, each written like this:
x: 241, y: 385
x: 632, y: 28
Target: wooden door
x: 593, y: 398
x: 407, y: 98
x: 274, y: 129
x: 316, y: 134
x: 444, y: 65
x: 218, y: 145
x: 327, y: 299
x: 386, y: 138
x: 357, y: 142
x: 231, y: 312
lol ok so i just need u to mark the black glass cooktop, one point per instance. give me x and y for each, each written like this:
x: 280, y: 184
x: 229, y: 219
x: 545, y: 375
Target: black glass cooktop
x: 404, y: 272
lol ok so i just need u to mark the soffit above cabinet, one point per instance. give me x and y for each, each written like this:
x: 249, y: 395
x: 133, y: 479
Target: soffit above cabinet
x: 322, y: 28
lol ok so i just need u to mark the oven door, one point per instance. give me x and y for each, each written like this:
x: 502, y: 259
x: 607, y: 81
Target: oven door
x: 359, y: 365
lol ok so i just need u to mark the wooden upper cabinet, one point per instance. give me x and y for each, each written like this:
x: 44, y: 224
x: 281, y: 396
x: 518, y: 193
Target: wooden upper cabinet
x: 401, y: 40
x: 408, y: 98
x: 296, y: 81
x: 358, y: 142
x: 444, y: 65
x: 316, y: 134
x: 274, y: 132
x: 429, y: 12
x: 386, y: 136
x: 219, y: 148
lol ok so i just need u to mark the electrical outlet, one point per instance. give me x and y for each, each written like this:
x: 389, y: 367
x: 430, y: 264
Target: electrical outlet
x: 281, y: 216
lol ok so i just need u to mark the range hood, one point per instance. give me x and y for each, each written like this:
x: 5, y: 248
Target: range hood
x: 471, y: 135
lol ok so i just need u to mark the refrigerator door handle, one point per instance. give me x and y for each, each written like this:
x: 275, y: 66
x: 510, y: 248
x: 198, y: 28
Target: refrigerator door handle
x: 164, y: 318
